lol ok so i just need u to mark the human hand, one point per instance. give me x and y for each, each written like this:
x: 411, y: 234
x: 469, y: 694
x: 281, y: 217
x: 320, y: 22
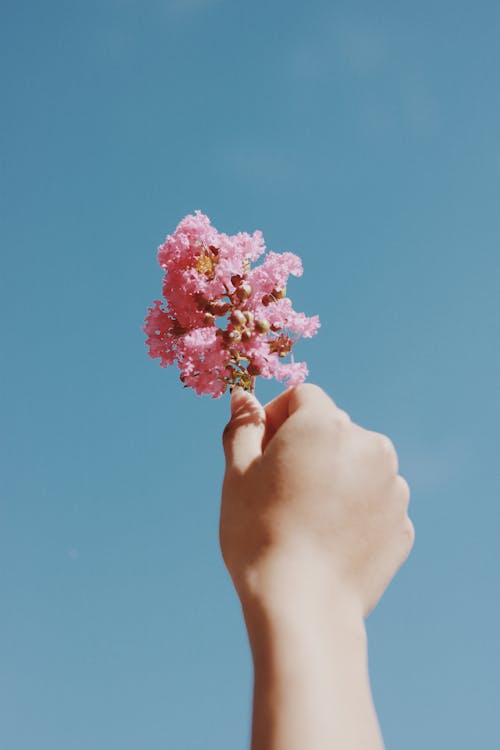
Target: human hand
x: 310, y: 499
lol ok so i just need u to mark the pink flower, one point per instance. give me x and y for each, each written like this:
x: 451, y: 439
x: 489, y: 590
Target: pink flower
x: 221, y: 320
x: 158, y: 327
x: 294, y: 373
x: 274, y: 272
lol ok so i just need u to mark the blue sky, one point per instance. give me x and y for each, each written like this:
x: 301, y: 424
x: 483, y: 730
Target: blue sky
x: 366, y: 138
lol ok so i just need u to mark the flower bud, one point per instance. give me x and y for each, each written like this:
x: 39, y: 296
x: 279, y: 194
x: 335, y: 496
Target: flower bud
x: 275, y: 327
x: 238, y: 318
x: 246, y: 335
x: 218, y: 308
x: 236, y: 279
x: 266, y: 300
x: 253, y: 369
x: 262, y: 326
x: 208, y: 318
x: 244, y: 291
x: 232, y: 337
x: 248, y: 316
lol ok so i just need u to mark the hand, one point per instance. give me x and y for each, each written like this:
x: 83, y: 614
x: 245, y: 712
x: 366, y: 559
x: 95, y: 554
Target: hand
x: 311, y: 498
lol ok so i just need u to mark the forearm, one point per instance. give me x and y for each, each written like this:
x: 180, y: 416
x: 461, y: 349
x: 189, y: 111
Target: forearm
x: 313, y: 527
x: 311, y: 683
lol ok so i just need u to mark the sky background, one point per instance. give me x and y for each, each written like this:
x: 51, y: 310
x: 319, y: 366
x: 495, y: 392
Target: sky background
x: 366, y: 138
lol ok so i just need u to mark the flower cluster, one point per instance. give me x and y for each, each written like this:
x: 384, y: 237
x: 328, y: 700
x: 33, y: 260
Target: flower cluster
x: 221, y: 320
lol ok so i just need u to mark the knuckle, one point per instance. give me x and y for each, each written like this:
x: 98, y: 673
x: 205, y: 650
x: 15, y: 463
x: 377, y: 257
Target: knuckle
x: 404, y: 490
x: 388, y: 451
x: 329, y: 422
x: 311, y: 397
x: 336, y: 422
x: 409, y: 534
x: 343, y: 417
x: 387, y: 445
x: 307, y: 390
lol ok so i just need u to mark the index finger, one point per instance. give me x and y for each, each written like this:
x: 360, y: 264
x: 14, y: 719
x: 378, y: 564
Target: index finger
x: 306, y: 395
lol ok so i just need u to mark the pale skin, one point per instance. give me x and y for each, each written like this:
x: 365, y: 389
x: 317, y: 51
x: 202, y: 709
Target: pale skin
x: 314, y: 525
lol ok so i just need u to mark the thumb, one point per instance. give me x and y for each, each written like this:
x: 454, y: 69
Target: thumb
x: 243, y: 434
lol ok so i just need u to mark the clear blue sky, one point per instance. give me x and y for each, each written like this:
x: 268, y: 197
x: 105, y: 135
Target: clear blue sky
x: 366, y: 138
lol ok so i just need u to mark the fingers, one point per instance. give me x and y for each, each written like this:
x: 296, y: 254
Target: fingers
x: 290, y: 401
x: 243, y: 434
x: 252, y: 426
x: 308, y: 395
x: 277, y: 411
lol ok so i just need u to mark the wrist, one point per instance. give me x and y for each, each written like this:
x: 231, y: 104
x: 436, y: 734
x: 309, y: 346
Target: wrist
x: 310, y: 657
x: 310, y: 654
x: 299, y: 592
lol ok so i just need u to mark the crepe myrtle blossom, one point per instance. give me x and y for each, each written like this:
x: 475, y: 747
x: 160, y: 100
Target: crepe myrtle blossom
x: 223, y: 321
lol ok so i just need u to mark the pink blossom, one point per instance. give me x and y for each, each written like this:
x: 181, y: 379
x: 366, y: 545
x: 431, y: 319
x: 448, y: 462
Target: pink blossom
x: 294, y: 373
x: 221, y: 320
x: 274, y: 271
x: 282, y: 314
x: 158, y: 327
